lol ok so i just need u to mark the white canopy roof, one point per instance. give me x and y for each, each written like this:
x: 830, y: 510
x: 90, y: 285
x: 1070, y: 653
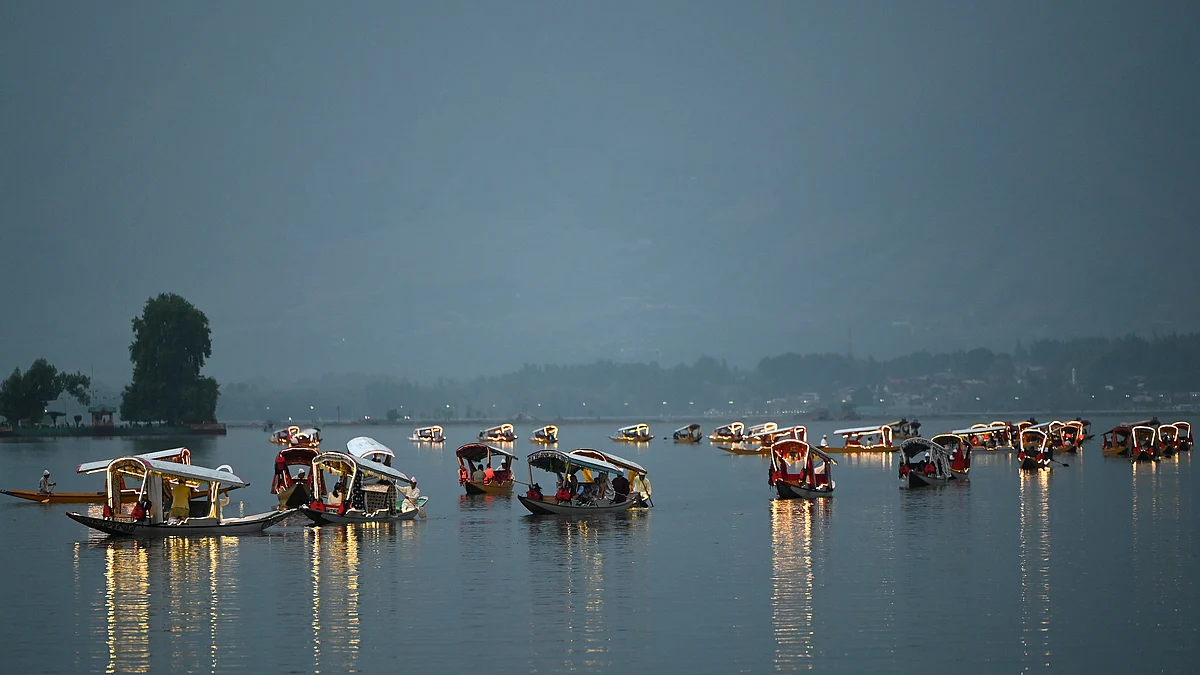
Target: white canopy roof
x: 978, y: 430
x: 610, y: 458
x: 365, y: 464
x: 101, y: 465
x: 186, y: 471
x: 361, y: 446
x: 860, y: 430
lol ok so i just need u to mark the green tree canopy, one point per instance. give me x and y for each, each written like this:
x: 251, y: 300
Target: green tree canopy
x: 25, y: 395
x: 171, y: 341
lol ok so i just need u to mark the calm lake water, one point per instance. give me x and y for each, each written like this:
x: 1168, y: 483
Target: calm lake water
x: 1090, y: 568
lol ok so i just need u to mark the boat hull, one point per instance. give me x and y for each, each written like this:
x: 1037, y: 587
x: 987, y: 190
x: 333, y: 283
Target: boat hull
x: 916, y: 479
x: 481, y: 488
x: 546, y: 508
x: 128, y: 496
x: 786, y: 490
x: 331, y: 518
x: 229, y: 526
x: 631, y: 440
x: 744, y: 449
x: 964, y: 474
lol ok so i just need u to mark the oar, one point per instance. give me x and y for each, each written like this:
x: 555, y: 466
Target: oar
x: 1058, y: 462
x: 420, y: 509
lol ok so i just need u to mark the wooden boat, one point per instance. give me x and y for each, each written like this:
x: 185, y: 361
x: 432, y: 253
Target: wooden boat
x: 284, y: 436
x: 178, y: 455
x: 800, y: 471
x: 634, y: 433
x: 358, y: 490
x: 547, y: 435
x: 1185, y: 435
x: 865, y: 439
x: 501, y: 433
x: 293, y: 479
x: 743, y: 448
x: 960, y: 454
x: 584, y: 502
x: 1073, y: 434
x: 1145, y: 444
x: 924, y: 463
x: 1117, y: 442
x: 433, y: 434
x: 992, y: 437
x: 639, y: 481
x: 902, y: 429
x: 1168, y: 439
x: 1034, y: 452
x: 689, y: 434
x: 180, y: 483
x: 310, y: 437
x: 733, y: 432
x: 495, y: 482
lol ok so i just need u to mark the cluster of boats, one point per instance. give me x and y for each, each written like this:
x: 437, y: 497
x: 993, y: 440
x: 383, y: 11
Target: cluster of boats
x: 1147, y: 440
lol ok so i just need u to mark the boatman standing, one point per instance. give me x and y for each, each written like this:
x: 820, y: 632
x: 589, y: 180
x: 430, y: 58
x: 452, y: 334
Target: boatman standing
x: 45, y: 487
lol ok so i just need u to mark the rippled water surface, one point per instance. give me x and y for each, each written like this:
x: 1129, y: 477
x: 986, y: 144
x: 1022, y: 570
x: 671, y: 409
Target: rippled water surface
x: 1089, y: 568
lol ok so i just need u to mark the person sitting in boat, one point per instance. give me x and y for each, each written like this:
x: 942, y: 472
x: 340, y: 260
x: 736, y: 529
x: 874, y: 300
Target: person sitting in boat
x: 336, y: 496
x: 929, y: 469
x: 281, y: 474
x: 180, y: 504
x: 824, y: 441
x: 534, y: 492
x: 489, y: 474
x: 407, y: 496
x: 143, y: 508
x: 478, y: 475
x: 620, y: 486
x: 915, y: 426
x: 45, y: 487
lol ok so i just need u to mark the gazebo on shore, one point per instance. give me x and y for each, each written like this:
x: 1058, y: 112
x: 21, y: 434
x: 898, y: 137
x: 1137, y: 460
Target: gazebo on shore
x: 102, y: 415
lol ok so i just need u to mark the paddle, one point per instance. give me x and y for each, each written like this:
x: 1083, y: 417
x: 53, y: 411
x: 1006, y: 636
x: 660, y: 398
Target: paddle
x: 420, y: 509
x: 1058, y: 462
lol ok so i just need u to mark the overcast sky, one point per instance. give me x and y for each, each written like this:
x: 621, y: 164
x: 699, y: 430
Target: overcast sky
x: 456, y: 188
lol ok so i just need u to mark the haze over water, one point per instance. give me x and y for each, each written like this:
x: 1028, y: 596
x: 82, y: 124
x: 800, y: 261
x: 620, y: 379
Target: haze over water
x: 1090, y: 568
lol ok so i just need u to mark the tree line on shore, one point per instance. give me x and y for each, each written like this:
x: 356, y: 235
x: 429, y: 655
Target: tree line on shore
x: 1084, y: 373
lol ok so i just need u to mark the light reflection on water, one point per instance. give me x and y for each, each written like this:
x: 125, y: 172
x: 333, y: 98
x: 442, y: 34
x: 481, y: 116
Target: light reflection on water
x: 795, y: 524
x: 1034, y: 494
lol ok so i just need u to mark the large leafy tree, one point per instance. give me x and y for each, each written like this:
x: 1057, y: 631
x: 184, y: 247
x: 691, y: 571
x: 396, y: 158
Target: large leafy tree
x: 171, y: 340
x: 25, y: 395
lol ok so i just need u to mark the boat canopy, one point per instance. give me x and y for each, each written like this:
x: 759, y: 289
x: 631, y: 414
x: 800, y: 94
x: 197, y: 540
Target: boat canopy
x: 557, y: 462
x: 173, y: 470
x: 688, y: 429
x: 367, y: 447
x: 730, y: 429
x: 479, y: 451
x: 949, y: 440
x: 979, y: 429
x: 432, y: 429
x: 634, y: 428
x: 365, y: 465
x: 500, y: 428
x: 791, y: 446
x: 765, y: 426
x: 913, y: 447
x: 862, y: 430
x: 546, y: 430
x: 179, y: 455
x: 1185, y: 428
x: 301, y: 454
x: 610, y: 458
x: 1168, y: 431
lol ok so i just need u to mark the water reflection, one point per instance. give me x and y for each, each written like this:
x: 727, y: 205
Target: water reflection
x: 796, y: 526
x: 572, y: 595
x: 127, y: 607
x: 1034, y: 491
x: 334, y: 552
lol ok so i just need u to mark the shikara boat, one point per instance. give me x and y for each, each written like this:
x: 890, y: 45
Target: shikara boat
x: 293, y: 479
x: 284, y: 436
x: 923, y: 463
x: 1034, y: 452
x: 310, y: 437
x: 547, y: 435
x: 865, y: 439
x: 358, y: 490
x: 501, y: 433
x: 902, y: 429
x: 758, y: 429
x: 634, y: 433
x: 595, y: 496
x: 734, y: 432
x: 960, y: 454
x: 1168, y: 439
x: 1145, y: 444
x: 433, y: 434
x: 178, y: 455
x: 180, y: 484
x: 689, y: 434
x: 800, y: 471
x: 769, y: 437
x: 1118, y: 441
x: 474, y: 456
x: 992, y: 437
x: 640, y: 489
x: 1185, y: 435
x: 1072, y: 435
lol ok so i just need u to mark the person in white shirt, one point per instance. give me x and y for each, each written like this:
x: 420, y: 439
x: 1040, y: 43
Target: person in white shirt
x: 45, y: 487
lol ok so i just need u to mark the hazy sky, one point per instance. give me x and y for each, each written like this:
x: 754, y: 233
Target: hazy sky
x: 460, y: 187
